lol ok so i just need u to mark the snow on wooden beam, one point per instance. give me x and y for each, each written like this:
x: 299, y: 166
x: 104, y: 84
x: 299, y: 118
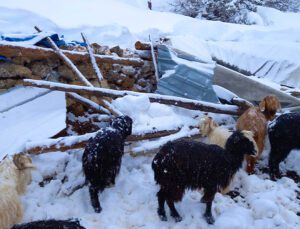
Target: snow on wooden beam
x: 39, y: 53
x: 77, y: 142
x: 152, y: 147
x: 163, y: 99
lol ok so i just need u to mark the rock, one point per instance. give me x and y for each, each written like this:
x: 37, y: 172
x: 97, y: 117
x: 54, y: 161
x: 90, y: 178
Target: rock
x: 142, y: 82
x: 8, y: 83
x: 43, y: 70
x: 66, y: 73
x: 128, y: 70
x: 9, y: 70
x: 117, y: 67
x: 117, y: 50
x: 128, y: 83
x: 101, y: 50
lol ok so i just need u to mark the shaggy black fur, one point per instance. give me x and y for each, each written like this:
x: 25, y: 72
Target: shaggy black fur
x: 50, y: 224
x: 102, y: 157
x: 187, y: 164
x: 284, y: 135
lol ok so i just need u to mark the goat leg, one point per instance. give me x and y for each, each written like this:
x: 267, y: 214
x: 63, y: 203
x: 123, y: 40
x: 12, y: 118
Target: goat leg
x: 208, y: 197
x: 173, y: 210
x: 274, y: 169
x: 208, y: 215
x: 161, y: 206
x: 94, y: 199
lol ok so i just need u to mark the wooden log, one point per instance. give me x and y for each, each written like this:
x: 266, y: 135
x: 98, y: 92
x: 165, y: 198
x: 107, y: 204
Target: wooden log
x: 77, y: 142
x: 88, y: 103
x: 110, y: 107
x: 163, y: 99
x: 154, y: 59
x: 66, y: 60
x: 142, y: 46
x: 38, y: 53
x: 92, y: 58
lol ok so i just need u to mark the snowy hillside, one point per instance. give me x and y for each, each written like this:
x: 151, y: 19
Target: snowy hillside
x: 271, y: 50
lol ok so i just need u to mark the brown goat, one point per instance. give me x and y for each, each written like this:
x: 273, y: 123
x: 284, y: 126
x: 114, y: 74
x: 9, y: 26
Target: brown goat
x: 255, y: 119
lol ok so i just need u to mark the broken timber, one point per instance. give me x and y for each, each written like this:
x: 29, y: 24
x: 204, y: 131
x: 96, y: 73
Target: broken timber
x: 39, y: 53
x: 78, y: 142
x: 168, y: 100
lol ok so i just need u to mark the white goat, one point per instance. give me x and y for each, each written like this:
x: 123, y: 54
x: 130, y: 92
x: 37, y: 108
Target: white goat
x: 15, y: 175
x: 216, y: 134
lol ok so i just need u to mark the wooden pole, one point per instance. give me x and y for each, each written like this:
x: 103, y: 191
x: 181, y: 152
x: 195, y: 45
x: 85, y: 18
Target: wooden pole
x: 163, y: 99
x: 92, y: 58
x: 77, y: 142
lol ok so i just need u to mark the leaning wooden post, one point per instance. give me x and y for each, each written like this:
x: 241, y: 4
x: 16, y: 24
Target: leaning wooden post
x: 99, y: 75
x: 67, y: 61
x: 92, y: 58
x: 154, y: 59
x: 75, y: 70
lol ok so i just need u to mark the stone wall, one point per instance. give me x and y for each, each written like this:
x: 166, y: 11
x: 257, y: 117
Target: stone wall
x: 136, y: 78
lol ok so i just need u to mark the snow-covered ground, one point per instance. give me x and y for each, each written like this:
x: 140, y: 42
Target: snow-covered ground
x: 23, y: 121
x: 132, y: 203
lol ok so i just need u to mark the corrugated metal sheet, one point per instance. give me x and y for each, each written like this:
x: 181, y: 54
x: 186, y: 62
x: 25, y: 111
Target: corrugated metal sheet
x: 184, y: 75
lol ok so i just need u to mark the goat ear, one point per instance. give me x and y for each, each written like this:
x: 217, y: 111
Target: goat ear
x: 22, y: 161
x: 212, y: 123
x: 278, y: 105
x: 262, y: 105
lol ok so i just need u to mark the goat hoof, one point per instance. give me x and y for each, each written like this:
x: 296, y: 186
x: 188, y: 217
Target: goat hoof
x: 275, y: 176
x: 98, y: 210
x: 209, y: 219
x: 163, y: 217
x: 178, y: 219
x: 203, y: 200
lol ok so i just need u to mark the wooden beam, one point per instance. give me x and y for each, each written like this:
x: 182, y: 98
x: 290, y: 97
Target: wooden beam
x: 39, y: 53
x: 88, y: 103
x: 92, y: 58
x: 142, y: 46
x: 77, y: 142
x: 163, y: 99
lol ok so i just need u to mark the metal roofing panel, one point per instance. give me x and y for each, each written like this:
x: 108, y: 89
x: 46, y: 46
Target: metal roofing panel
x: 184, y: 75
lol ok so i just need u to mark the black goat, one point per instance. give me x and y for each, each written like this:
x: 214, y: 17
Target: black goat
x: 50, y: 224
x: 102, y: 157
x: 284, y: 135
x: 187, y: 164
